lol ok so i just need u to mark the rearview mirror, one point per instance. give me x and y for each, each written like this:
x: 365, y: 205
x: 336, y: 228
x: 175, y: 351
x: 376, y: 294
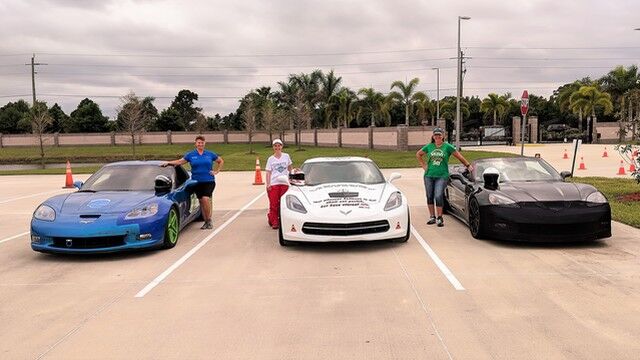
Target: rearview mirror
x: 566, y: 174
x: 490, y: 180
x: 394, y: 176
x: 162, y: 184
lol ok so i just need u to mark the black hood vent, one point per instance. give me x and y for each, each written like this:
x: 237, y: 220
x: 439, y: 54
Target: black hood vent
x: 343, y: 194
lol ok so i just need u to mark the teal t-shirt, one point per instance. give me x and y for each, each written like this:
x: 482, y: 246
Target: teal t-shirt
x: 438, y: 159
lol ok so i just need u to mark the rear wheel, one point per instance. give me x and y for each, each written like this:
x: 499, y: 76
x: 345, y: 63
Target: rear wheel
x: 281, y: 239
x: 475, y: 219
x: 171, y: 229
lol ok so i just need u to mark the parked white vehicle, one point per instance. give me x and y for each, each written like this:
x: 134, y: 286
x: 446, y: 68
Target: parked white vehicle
x: 342, y: 199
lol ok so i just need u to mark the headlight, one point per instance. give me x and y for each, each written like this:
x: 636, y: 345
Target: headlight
x: 496, y: 199
x: 294, y: 204
x: 395, y: 200
x: 45, y: 212
x: 597, y: 198
x: 143, y: 212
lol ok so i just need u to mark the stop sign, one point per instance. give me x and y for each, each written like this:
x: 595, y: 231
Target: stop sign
x: 524, y: 103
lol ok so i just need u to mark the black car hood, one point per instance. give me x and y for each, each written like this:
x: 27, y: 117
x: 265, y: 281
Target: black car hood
x: 544, y: 191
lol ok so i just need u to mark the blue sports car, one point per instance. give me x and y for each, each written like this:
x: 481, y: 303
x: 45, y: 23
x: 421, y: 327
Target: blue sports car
x: 123, y: 206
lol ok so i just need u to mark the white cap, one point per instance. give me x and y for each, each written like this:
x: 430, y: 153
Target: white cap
x: 277, y: 141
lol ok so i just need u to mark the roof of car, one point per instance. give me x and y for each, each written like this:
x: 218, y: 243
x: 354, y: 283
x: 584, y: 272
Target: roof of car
x: 334, y: 159
x: 136, y: 163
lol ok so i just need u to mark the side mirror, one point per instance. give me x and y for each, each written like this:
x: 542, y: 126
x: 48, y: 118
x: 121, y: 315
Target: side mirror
x: 490, y: 180
x: 297, y: 178
x: 162, y: 184
x: 566, y: 174
x: 394, y: 176
x: 78, y: 184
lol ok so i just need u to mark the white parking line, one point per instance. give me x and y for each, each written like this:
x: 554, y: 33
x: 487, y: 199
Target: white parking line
x: 155, y: 282
x: 14, y: 237
x: 443, y: 268
x: 28, y: 196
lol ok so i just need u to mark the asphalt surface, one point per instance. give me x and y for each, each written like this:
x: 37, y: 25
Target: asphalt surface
x: 242, y: 296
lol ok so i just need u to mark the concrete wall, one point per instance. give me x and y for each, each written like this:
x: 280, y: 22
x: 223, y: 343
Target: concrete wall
x: 608, y: 132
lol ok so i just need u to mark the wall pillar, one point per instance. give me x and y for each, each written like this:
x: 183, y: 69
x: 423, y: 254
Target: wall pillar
x: 515, y: 130
x: 315, y: 137
x: 225, y: 136
x: 533, y: 128
x: 1, y: 146
x: 113, y: 138
x: 169, y: 140
x: 56, y: 139
x: 403, y: 137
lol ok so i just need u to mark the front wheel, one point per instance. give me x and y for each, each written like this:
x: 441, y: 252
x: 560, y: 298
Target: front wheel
x: 281, y: 239
x: 171, y: 229
x: 475, y: 219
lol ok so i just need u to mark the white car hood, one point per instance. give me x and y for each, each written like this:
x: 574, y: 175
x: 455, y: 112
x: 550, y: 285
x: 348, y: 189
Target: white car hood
x: 338, y: 200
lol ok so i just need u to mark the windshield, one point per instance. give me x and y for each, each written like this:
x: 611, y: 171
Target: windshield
x: 363, y: 172
x: 517, y: 169
x: 126, y: 178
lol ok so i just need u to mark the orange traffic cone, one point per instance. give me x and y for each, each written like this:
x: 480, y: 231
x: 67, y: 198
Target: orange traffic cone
x: 582, y: 167
x: 68, y: 182
x: 632, y: 167
x: 565, y: 156
x: 621, y: 169
x: 635, y: 153
x: 258, y: 178
x: 604, y: 154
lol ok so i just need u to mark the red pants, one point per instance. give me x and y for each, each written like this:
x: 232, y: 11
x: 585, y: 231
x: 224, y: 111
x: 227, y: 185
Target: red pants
x: 275, y: 193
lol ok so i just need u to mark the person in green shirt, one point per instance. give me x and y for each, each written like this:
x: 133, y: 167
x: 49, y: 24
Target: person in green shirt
x: 436, y: 172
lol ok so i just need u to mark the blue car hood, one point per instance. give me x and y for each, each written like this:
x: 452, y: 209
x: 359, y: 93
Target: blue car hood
x: 104, y: 202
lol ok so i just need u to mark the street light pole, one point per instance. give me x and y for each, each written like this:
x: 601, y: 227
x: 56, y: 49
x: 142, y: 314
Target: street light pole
x: 458, y: 87
x: 437, y: 92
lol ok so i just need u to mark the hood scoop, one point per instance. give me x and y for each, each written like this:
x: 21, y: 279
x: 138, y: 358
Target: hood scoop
x: 343, y: 194
x: 89, y: 216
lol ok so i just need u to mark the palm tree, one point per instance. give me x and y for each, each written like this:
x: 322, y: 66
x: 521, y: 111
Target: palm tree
x: 424, y: 106
x: 404, y: 96
x: 563, y: 96
x: 587, y: 99
x: 495, y: 104
x: 347, y: 106
x: 631, y: 98
x: 620, y: 80
x: 328, y: 99
x: 369, y: 102
x: 309, y: 84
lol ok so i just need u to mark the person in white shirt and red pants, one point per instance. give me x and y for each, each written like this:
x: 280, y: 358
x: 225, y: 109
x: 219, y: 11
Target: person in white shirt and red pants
x: 278, y: 164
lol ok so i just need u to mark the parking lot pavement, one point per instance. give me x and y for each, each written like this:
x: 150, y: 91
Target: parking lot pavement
x: 241, y: 295
x: 590, y: 154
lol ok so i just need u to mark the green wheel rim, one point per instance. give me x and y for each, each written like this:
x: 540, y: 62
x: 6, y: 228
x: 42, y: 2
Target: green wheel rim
x: 172, y: 227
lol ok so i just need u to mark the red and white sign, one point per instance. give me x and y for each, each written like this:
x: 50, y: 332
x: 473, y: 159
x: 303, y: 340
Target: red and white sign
x: 524, y: 103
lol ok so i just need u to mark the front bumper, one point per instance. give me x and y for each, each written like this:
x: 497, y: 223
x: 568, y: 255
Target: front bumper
x: 293, y: 223
x: 108, y: 233
x: 534, y: 223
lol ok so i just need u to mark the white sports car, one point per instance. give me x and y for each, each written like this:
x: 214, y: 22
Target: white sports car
x: 342, y: 199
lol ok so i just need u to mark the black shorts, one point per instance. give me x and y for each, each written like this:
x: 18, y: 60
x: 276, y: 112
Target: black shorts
x: 204, y: 189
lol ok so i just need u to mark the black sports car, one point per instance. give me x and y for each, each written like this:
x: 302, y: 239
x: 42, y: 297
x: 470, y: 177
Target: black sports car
x: 524, y: 198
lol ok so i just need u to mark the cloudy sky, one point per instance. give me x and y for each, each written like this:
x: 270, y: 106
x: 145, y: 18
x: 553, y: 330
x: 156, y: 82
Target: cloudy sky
x: 222, y: 49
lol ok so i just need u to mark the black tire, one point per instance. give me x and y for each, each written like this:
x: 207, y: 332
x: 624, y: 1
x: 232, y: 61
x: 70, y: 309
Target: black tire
x: 281, y: 239
x: 475, y: 219
x: 171, y: 229
x: 406, y: 237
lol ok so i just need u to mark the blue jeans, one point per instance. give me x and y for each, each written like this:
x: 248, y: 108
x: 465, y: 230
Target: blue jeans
x: 435, y: 190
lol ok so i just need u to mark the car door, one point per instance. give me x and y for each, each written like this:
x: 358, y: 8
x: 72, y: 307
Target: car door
x: 459, y: 188
x: 186, y: 199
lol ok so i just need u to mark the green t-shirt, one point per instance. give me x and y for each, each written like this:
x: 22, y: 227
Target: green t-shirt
x: 438, y: 159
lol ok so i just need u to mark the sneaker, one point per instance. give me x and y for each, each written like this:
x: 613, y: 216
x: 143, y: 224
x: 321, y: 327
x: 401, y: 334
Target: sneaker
x: 440, y: 221
x: 207, y: 225
x: 432, y: 220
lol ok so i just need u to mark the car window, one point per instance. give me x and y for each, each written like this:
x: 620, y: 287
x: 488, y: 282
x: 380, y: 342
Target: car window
x: 517, y: 169
x: 126, y: 178
x: 364, y: 172
x: 181, y: 176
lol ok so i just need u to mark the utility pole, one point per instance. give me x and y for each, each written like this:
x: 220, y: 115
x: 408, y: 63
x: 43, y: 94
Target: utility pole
x: 458, y: 85
x: 33, y: 76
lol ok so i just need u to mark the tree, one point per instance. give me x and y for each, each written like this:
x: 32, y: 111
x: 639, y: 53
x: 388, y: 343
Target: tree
x: 347, y: 106
x: 59, y: 118
x: 330, y: 86
x: 494, y: 104
x: 369, y: 102
x: 423, y: 105
x: 587, y: 99
x: 630, y: 109
x: 10, y: 116
x: 133, y: 117
x: 301, y: 114
x: 620, y: 80
x: 169, y: 119
x: 404, y: 96
x: 272, y: 118
x: 183, y: 104
x: 249, y: 118
x: 308, y: 86
x: 40, y: 121
x: 87, y: 117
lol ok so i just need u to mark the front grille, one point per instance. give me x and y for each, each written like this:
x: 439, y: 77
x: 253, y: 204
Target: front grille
x: 370, y: 227
x: 560, y: 229
x: 89, y: 242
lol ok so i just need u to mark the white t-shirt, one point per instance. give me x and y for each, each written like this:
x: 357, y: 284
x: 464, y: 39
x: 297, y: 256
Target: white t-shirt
x: 278, y: 167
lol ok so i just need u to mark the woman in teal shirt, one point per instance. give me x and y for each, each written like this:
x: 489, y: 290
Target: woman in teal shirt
x: 436, y: 172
